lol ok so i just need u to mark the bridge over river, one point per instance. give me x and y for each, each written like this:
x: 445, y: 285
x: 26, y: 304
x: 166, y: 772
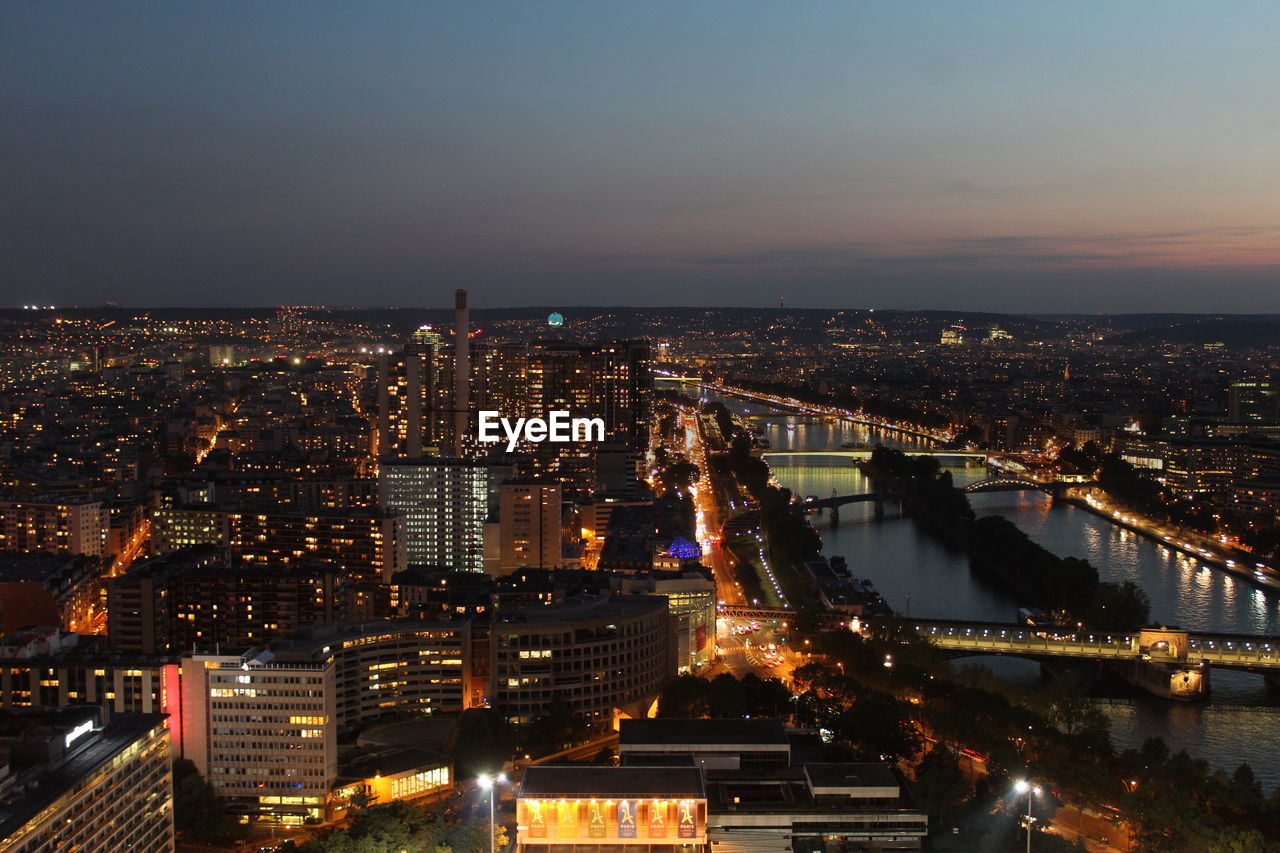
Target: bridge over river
x: 1003, y: 482
x: 1169, y: 662
x: 862, y: 454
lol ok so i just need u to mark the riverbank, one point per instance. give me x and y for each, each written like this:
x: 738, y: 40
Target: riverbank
x: 1268, y: 580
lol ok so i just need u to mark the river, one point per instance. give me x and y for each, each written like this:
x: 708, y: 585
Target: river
x: 920, y: 576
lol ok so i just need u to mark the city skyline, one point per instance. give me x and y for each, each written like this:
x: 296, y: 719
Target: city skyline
x: 684, y: 428
x: 991, y: 157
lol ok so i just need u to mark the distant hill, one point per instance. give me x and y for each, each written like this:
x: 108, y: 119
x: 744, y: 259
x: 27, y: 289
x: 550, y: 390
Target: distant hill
x: 1235, y: 332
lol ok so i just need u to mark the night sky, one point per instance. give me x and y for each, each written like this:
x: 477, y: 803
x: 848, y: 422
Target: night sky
x: 1020, y: 156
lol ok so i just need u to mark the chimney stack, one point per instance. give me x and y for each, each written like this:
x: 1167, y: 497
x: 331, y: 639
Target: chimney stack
x: 461, y: 369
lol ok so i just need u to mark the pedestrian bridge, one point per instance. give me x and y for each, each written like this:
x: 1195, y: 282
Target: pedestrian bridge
x: 730, y: 611
x: 829, y: 618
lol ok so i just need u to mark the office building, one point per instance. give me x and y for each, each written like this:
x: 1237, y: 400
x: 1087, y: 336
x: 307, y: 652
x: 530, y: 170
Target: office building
x: 177, y: 527
x: 262, y: 732
x: 72, y: 783
x: 691, y: 601
x: 444, y: 502
x: 596, y: 654
x: 385, y: 668
x: 1253, y: 401
x: 529, y: 517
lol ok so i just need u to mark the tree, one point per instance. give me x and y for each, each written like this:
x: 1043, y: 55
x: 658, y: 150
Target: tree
x: 879, y: 728
x: 198, y: 813
x: 1072, y: 712
x: 483, y: 742
x: 684, y: 696
x: 1233, y: 840
x: 940, y: 786
x: 679, y: 476
x: 1118, y: 607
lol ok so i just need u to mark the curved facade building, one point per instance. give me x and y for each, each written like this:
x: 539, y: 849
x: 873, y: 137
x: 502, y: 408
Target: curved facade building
x: 384, y: 668
x: 596, y: 654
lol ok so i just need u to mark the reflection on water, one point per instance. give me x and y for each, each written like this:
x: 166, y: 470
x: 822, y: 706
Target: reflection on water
x: 917, y: 573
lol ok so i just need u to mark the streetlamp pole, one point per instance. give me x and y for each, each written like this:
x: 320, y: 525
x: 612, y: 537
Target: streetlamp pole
x: 1028, y: 822
x: 490, y: 784
x: 1024, y: 787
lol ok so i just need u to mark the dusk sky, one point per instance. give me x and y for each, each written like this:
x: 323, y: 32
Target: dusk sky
x: 1020, y: 156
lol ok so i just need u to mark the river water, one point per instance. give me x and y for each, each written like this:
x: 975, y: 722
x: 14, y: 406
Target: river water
x: 920, y: 576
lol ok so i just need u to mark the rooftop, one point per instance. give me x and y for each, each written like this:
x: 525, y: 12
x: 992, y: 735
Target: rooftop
x: 105, y: 744
x: 851, y: 775
x: 582, y: 608
x: 391, y: 762
x: 611, y: 782
x: 687, y: 731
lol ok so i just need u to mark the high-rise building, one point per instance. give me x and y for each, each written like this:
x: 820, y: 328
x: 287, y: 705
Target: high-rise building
x: 444, y: 502
x: 609, y: 380
x: 71, y: 783
x: 407, y: 405
x: 529, y: 518
x: 262, y: 732
x: 1254, y: 401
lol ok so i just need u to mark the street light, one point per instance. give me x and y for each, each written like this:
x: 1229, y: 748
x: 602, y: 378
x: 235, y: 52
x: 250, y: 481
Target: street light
x: 490, y: 784
x: 1024, y: 787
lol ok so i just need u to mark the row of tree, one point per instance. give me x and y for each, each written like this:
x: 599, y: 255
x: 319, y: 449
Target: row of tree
x: 400, y: 826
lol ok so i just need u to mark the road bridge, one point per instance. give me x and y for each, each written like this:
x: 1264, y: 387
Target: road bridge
x: 1169, y: 662
x: 797, y: 407
x: 1005, y: 483
x: 862, y: 454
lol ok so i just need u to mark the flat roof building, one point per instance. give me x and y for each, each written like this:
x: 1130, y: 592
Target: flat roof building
x: 762, y: 796
x: 721, y: 743
x: 594, y: 809
x: 73, y: 784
